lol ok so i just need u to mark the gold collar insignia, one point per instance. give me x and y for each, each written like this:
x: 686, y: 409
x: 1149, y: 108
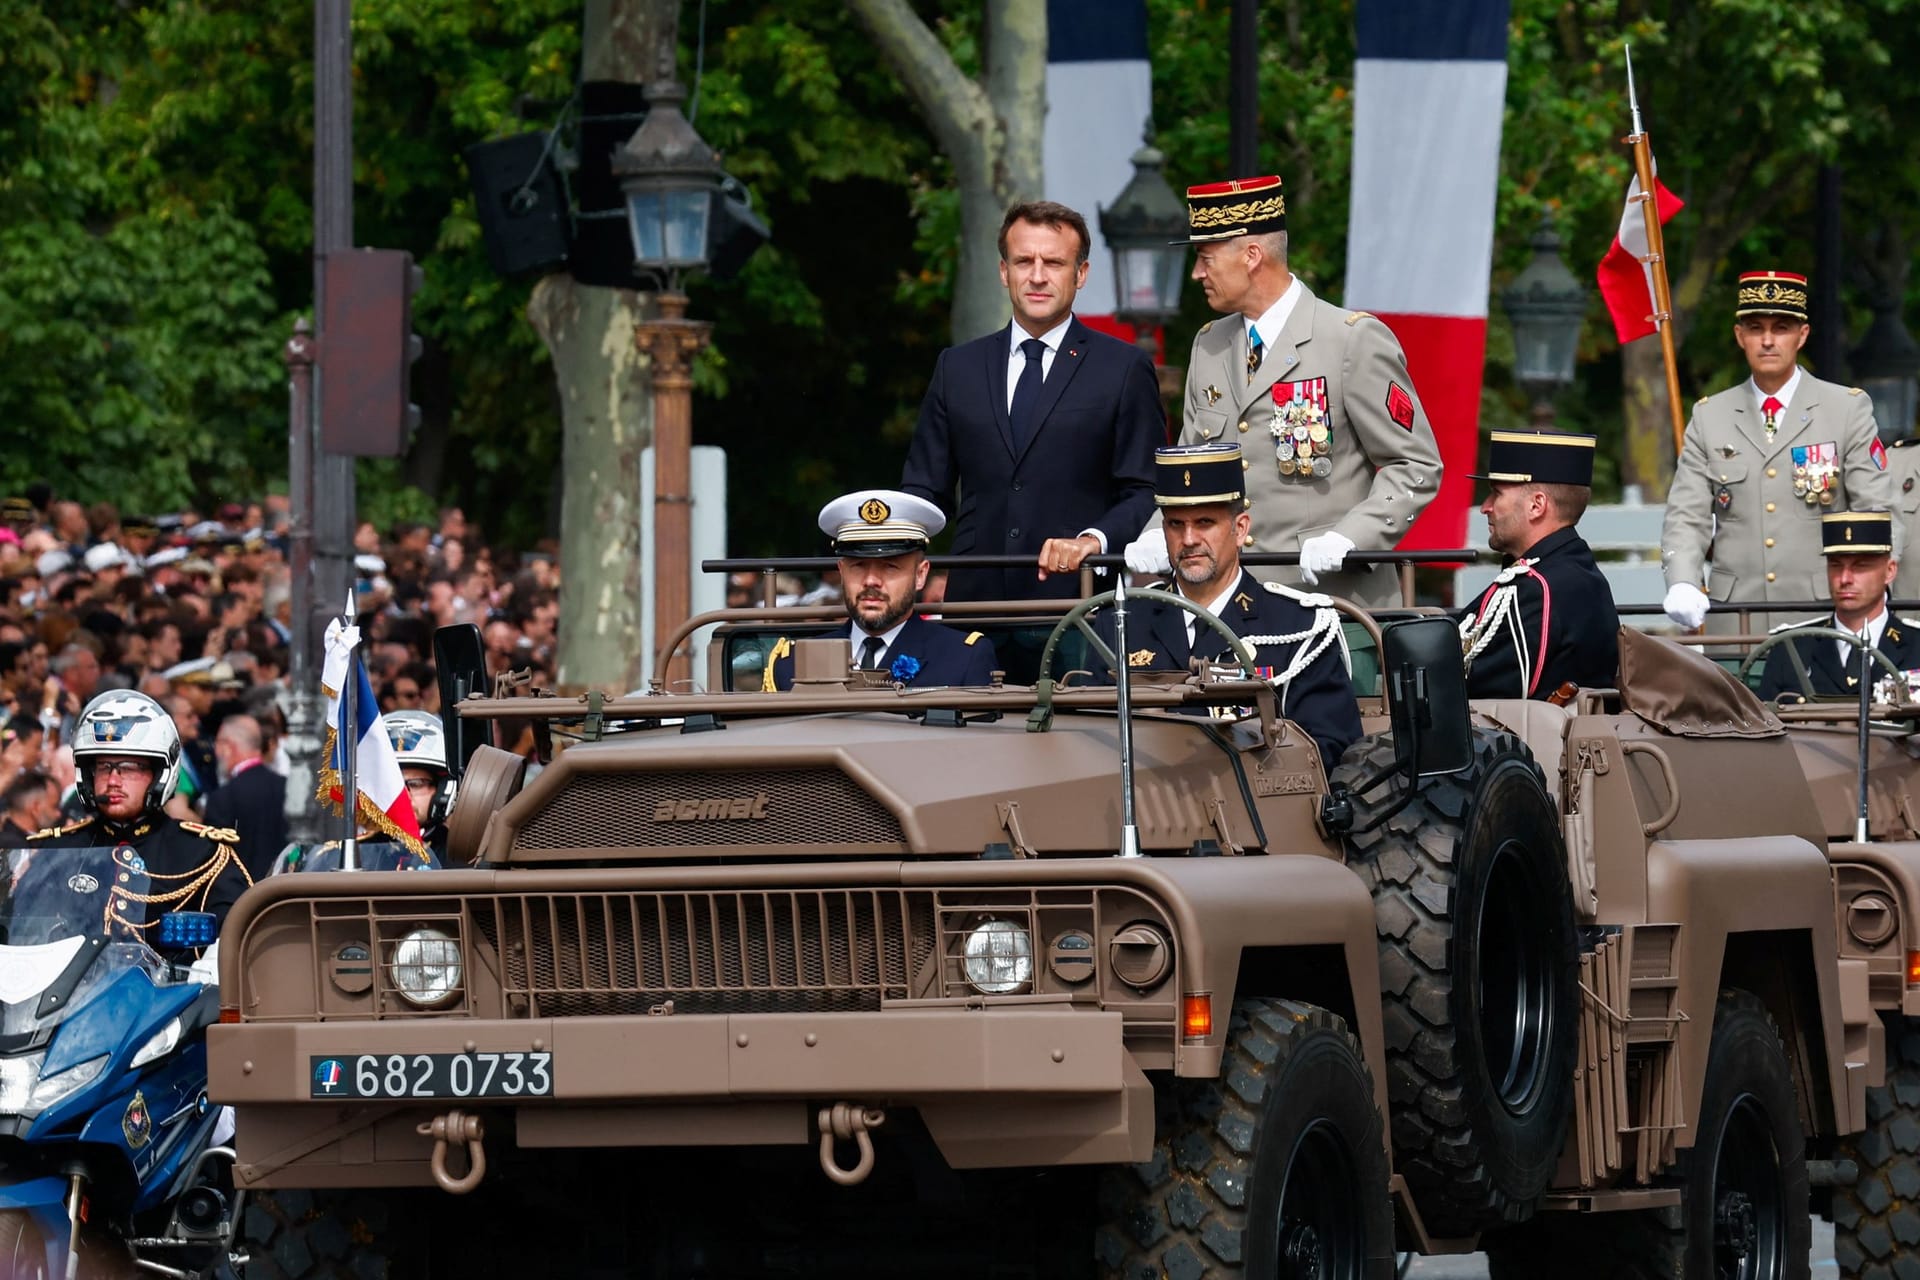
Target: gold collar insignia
x: 1213, y: 396
x: 1245, y: 601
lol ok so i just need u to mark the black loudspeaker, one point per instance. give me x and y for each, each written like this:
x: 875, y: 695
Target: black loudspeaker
x: 522, y: 204
x: 735, y: 231
x: 602, y: 249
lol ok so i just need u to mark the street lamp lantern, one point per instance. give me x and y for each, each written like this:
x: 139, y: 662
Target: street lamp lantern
x: 1142, y: 226
x: 669, y: 176
x: 1546, y: 305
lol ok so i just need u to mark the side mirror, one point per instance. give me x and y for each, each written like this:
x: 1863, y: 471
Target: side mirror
x: 460, y: 668
x: 1425, y: 678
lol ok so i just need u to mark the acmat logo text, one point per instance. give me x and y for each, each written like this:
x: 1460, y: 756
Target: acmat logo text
x: 724, y: 808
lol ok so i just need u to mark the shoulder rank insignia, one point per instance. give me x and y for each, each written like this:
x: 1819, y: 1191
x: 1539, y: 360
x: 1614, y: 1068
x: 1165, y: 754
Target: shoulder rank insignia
x: 972, y: 636
x: 1140, y: 658
x: 1702, y: 400
x: 1208, y: 325
x: 782, y: 648
x: 1355, y: 317
x: 1855, y: 391
x: 219, y: 835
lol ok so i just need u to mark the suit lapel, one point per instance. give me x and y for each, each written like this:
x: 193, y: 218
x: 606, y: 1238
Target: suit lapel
x: 1284, y: 356
x: 1066, y: 362
x: 1169, y: 632
x: 997, y: 353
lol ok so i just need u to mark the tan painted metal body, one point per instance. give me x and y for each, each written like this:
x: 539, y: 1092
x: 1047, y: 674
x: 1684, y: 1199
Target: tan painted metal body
x: 715, y: 934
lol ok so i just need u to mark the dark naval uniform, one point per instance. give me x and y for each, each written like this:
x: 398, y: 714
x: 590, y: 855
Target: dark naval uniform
x: 1559, y: 619
x: 190, y: 866
x: 1319, y: 698
x: 925, y: 655
x: 1900, y: 641
x: 1548, y: 619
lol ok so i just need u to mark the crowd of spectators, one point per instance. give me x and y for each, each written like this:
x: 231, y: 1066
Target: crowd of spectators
x: 195, y: 611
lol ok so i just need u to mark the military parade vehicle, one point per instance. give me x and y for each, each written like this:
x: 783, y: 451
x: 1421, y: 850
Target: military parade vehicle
x: 1620, y: 987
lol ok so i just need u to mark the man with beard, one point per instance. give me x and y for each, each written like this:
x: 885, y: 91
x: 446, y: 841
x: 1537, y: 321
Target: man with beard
x: 881, y: 538
x: 126, y: 755
x: 1548, y: 619
x: 1295, y: 637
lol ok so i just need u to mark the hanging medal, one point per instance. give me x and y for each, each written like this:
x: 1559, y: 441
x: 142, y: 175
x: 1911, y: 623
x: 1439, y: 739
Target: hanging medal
x: 1302, y: 428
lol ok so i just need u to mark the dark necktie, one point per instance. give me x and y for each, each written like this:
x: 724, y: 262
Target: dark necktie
x: 870, y: 650
x: 1256, y: 351
x: 1026, y: 394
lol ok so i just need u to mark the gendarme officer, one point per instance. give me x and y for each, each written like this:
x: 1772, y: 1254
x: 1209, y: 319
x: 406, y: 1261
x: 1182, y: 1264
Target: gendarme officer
x: 1548, y: 619
x: 1296, y: 638
x: 1858, y: 548
x: 1339, y: 453
x: 1762, y: 462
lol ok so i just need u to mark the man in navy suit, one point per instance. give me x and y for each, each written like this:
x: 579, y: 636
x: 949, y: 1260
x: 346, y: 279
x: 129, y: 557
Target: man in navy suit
x: 881, y: 538
x: 1046, y: 428
x: 1858, y: 546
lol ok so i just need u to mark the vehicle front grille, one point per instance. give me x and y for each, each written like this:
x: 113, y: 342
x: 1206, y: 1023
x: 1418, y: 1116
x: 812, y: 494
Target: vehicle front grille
x: 758, y: 951
x: 820, y: 809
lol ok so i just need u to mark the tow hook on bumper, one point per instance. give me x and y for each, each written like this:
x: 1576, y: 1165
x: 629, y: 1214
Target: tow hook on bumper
x: 842, y: 1120
x: 455, y: 1127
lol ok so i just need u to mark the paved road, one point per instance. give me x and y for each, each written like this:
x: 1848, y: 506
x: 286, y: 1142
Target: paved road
x: 1473, y: 1266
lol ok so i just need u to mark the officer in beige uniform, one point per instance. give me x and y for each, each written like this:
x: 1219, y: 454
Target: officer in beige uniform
x: 1762, y: 462
x: 1903, y: 474
x: 1339, y: 454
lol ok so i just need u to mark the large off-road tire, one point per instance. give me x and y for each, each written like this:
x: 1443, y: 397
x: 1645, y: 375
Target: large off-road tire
x: 1276, y: 1168
x: 333, y: 1235
x: 1876, y: 1221
x: 1744, y: 1211
x: 23, y: 1254
x: 1479, y: 969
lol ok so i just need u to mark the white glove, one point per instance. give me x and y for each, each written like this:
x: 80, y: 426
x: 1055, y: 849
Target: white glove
x: 1148, y: 553
x: 1323, y: 553
x: 1686, y: 604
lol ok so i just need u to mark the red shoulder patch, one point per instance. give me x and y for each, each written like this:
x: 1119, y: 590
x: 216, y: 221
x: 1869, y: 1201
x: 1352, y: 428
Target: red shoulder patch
x: 1399, y: 406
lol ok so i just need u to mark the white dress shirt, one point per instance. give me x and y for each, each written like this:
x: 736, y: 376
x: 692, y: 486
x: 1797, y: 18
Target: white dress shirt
x: 858, y: 634
x: 1274, y: 318
x: 1017, y: 359
x: 1213, y: 606
x: 1784, y: 395
x: 1850, y: 654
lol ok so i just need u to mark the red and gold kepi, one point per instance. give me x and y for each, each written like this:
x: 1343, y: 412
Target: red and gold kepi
x: 1772, y: 293
x: 1241, y: 207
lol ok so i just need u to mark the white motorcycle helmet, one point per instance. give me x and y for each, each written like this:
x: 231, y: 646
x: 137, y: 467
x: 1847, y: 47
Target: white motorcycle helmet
x: 121, y: 722
x: 420, y: 743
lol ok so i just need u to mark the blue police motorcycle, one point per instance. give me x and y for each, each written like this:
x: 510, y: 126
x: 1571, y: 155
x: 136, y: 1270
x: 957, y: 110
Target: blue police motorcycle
x: 107, y: 1161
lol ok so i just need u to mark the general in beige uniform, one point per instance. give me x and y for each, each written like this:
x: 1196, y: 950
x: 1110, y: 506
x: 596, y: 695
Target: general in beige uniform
x: 1339, y: 454
x: 1762, y: 462
x: 1903, y: 476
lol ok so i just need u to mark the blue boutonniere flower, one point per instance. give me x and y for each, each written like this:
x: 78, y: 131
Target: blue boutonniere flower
x: 904, y: 668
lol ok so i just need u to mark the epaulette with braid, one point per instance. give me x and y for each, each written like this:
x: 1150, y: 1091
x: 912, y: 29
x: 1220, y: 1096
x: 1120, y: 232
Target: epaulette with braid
x: 48, y: 833
x: 219, y: 835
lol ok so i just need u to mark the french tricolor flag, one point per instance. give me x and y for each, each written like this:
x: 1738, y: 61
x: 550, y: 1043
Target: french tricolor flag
x: 1099, y: 95
x: 383, y: 803
x: 1429, y: 90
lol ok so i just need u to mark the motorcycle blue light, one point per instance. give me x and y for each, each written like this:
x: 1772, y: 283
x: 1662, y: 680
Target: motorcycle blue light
x: 182, y: 929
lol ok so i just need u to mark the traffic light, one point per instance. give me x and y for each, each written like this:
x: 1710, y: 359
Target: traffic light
x: 367, y: 350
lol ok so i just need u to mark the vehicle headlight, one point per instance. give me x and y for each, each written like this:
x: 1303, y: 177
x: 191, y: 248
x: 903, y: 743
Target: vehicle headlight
x: 160, y: 1046
x: 426, y: 968
x: 999, y: 957
x: 25, y: 1092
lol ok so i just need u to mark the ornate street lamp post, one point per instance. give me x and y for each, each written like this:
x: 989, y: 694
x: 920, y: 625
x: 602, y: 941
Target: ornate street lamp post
x: 670, y: 178
x: 1545, y: 304
x: 1146, y: 228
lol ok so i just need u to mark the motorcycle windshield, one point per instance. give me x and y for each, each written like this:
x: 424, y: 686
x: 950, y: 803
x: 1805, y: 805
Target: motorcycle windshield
x: 53, y: 902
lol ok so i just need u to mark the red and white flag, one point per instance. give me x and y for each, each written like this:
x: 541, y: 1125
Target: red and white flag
x: 1429, y: 97
x: 1626, y: 279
